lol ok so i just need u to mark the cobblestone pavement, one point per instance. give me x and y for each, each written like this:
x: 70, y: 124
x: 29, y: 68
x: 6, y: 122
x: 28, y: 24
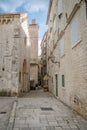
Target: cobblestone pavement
x: 5, y: 110
x: 41, y: 111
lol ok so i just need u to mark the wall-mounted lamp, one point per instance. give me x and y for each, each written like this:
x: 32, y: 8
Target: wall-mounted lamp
x: 52, y: 57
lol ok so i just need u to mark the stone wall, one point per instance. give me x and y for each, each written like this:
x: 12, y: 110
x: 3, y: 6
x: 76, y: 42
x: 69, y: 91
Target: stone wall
x: 11, y: 53
x: 73, y: 63
x: 44, y: 59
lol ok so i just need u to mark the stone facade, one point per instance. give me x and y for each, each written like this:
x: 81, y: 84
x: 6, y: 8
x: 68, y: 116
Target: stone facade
x: 39, y: 70
x: 14, y: 53
x: 33, y: 29
x: 44, y: 59
x: 67, y: 52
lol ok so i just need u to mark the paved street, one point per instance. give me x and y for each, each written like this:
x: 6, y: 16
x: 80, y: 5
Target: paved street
x: 5, y: 110
x: 39, y: 110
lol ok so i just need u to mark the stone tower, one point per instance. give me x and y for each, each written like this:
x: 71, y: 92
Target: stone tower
x: 33, y: 30
x: 14, y: 53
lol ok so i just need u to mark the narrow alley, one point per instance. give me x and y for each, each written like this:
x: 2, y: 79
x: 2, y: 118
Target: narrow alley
x: 40, y: 110
x: 43, y: 65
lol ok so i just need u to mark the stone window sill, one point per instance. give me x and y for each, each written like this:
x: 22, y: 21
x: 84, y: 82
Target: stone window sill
x: 78, y: 42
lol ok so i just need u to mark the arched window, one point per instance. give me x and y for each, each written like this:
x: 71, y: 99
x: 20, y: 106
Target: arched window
x: 4, y: 21
x: 8, y: 21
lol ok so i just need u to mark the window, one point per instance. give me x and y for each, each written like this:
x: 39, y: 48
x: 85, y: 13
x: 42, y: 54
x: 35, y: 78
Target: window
x: 19, y: 76
x: 16, y: 32
x: 4, y: 20
x: 74, y: 31
x: 59, y: 8
x: 86, y: 7
x: 63, y: 81
x: 62, y: 46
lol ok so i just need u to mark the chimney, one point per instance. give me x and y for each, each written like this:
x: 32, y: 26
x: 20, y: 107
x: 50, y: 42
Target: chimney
x: 33, y: 21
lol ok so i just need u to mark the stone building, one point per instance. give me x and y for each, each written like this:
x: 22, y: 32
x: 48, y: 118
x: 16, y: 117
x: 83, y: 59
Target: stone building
x: 44, y: 59
x: 39, y: 70
x: 67, y: 52
x: 14, y: 53
x: 33, y: 30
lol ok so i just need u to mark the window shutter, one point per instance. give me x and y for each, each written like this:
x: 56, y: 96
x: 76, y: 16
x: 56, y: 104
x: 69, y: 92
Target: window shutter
x: 63, y: 81
x: 74, y: 31
x: 59, y: 7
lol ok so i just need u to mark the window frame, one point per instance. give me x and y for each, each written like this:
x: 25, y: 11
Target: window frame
x: 63, y: 80
x: 75, y: 31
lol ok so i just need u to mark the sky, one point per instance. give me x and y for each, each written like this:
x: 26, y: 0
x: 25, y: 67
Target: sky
x: 36, y: 9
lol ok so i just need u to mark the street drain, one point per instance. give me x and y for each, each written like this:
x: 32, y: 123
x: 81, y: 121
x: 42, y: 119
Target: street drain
x: 3, y: 112
x: 46, y: 109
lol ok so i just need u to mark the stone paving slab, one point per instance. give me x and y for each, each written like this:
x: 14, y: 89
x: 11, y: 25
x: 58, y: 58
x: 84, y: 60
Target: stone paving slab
x: 5, y: 110
x: 30, y: 116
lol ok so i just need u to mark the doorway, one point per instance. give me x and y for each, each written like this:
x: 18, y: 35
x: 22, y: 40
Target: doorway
x: 24, y: 88
x: 56, y: 79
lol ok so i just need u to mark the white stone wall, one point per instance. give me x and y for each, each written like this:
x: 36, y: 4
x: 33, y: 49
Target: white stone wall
x: 73, y: 64
x: 9, y: 56
x: 13, y: 50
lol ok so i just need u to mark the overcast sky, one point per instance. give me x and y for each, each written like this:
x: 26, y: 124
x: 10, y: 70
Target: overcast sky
x: 36, y: 9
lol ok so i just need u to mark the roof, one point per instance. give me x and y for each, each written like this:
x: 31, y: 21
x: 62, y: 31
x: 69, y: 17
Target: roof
x: 12, y: 14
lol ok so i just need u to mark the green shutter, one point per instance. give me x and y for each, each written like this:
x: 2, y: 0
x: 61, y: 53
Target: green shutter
x: 63, y: 81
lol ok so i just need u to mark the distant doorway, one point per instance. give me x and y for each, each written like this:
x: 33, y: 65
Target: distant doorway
x: 56, y: 79
x: 24, y: 76
x: 32, y: 84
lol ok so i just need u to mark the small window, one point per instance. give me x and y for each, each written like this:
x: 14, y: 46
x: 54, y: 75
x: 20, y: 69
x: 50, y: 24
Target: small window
x: 4, y: 20
x: 63, y: 81
x: 60, y: 8
x: 3, y: 69
x: 16, y: 32
x: 75, y: 31
x: 19, y: 77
